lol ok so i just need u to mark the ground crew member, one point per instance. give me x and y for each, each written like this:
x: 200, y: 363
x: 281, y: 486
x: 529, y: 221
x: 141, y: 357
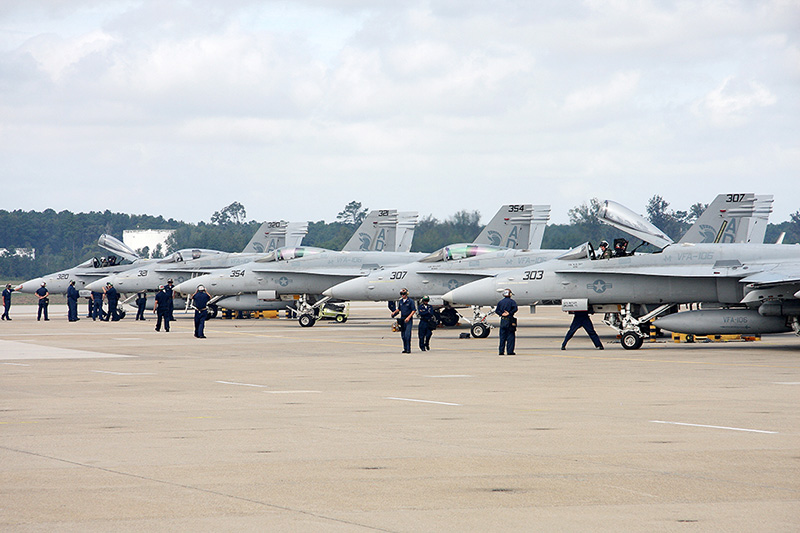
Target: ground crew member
x: 7, y: 301
x: 161, y: 307
x: 200, y: 300
x: 72, y: 302
x: 44, y: 301
x: 506, y: 308
x: 427, y: 323
x: 97, y: 307
x: 141, y: 302
x: 581, y: 319
x: 112, y: 297
x: 169, y: 289
x: 89, y: 306
x: 405, y: 308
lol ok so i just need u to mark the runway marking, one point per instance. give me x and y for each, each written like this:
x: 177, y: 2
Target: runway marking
x: 242, y: 384
x: 293, y: 391
x: 124, y: 373
x: 420, y: 401
x: 126, y: 338
x: 786, y: 382
x: 16, y: 364
x: 714, y: 427
x: 451, y: 376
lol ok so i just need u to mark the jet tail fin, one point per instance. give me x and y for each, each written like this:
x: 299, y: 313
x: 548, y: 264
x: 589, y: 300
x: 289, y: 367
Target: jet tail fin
x: 406, y: 224
x: 116, y: 246
x: 541, y: 216
x: 510, y: 227
x: 276, y: 234
x: 376, y: 233
x: 295, y: 233
x: 740, y: 217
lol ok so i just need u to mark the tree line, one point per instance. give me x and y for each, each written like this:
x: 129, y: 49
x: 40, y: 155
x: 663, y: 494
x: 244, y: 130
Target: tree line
x: 65, y: 239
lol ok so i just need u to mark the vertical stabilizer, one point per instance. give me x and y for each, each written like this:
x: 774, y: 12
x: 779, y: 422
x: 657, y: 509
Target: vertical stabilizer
x: 541, y: 216
x: 378, y: 232
x: 406, y: 224
x: 738, y: 217
x: 295, y: 232
x: 270, y: 235
x: 510, y: 227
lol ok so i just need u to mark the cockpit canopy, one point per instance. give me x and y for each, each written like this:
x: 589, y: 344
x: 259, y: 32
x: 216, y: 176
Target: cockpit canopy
x: 101, y: 262
x: 583, y: 251
x: 188, y: 254
x: 290, y: 252
x: 454, y: 252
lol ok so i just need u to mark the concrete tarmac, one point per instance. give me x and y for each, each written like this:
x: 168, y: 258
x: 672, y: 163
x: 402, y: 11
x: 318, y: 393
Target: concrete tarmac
x: 266, y: 426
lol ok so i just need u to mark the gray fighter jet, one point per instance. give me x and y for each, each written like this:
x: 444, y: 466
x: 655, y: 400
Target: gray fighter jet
x: 743, y: 288
x: 303, y: 274
x: 458, y: 264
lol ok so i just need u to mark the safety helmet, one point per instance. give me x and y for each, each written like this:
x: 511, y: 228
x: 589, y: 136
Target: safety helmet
x: 507, y: 293
x: 603, y: 243
x: 161, y: 287
x: 426, y: 298
x: 201, y: 287
x: 403, y: 291
x: 43, y: 284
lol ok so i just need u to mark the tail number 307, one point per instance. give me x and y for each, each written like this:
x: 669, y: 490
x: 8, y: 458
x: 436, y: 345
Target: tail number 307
x: 531, y: 275
x: 399, y: 274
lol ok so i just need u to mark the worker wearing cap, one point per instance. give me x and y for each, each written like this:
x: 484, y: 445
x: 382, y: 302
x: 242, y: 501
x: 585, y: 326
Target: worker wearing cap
x: 200, y: 300
x: 112, y: 297
x: 427, y: 323
x: 72, y: 302
x: 506, y: 309
x: 405, y: 308
x: 7, y: 301
x: 168, y: 288
x: 161, y: 308
x: 97, y: 306
x: 141, y: 302
x: 43, y: 294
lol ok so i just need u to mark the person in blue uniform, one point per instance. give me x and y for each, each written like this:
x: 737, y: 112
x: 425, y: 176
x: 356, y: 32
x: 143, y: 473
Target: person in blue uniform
x: 97, y: 306
x: 168, y: 288
x: 427, y: 321
x: 44, y: 301
x: 141, y: 302
x: 7, y: 301
x: 506, y: 309
x: 581, y: 319
x: 72, y: 302
x: 112, y: 297
x: 405, y: 308
x: 161, y: 308
x: 89, y: 306
x: 200, y: 300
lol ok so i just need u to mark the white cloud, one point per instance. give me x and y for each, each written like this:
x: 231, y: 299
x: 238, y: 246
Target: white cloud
x: 731, y: 102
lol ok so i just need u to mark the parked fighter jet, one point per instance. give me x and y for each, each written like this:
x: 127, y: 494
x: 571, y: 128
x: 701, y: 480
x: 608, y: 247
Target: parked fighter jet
x: 458, y: 264
x: 753, y: 287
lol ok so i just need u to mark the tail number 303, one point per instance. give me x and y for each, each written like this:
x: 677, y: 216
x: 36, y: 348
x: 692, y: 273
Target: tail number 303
x: 531, y: 275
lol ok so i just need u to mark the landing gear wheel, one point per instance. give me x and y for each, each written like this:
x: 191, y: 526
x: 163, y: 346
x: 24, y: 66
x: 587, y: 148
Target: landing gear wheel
x: 212, y: 311
x: 341, y: 319
x: 689, y: 338
x: 449, y: 317
x: 480, y: 331
x: 306, y: 321
x: 631, y: 341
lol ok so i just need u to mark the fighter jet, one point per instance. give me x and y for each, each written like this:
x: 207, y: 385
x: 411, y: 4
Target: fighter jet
x: 458, y: 264
x: 306, y: 273
x: 744, y: 288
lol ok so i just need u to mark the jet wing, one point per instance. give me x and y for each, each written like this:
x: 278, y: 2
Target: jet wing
x: 456, y: 272
x: 676, y: 271
x: 782, y: 274
x: 314, y: 272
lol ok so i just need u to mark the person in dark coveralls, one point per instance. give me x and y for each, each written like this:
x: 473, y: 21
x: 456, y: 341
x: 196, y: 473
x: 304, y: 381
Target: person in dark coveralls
x: 89, y: 306
x: 112, y: 297
x: 97, y: 306
x: 141, y: 302
x: 168, y: 288
x: 405, y: 308
x: 161, y: 308
x: 581, y: 319
x: 506, y: 309
x: 72, y: 302
x: 426, y: 321
x: 200, y: 300
x: 7, y: 301
x: 44, y: 301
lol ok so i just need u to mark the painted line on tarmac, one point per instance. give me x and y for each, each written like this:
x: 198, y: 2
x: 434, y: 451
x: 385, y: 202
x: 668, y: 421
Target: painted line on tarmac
x: 451, y: 376
x: 420, y: 401
x: 293, y: 391
x: 16, y: 364
x: 714, y: 427
x: 242, y: 384
x: 786, y: 382
x: 124, y: 373
x: 648, y: 360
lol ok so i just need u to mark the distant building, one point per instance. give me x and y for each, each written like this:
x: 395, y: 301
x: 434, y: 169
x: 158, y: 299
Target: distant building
x: 138, y: 239
x: 19, y: 252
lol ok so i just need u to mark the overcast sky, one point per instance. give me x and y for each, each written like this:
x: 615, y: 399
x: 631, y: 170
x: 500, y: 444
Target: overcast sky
x: 178, y: 108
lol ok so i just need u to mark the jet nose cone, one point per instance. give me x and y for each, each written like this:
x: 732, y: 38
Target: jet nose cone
x: 354, y: 289
x: 188, y: 286
x: 482, y: 292
x: 30, y: 286
x: 96, y: 286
